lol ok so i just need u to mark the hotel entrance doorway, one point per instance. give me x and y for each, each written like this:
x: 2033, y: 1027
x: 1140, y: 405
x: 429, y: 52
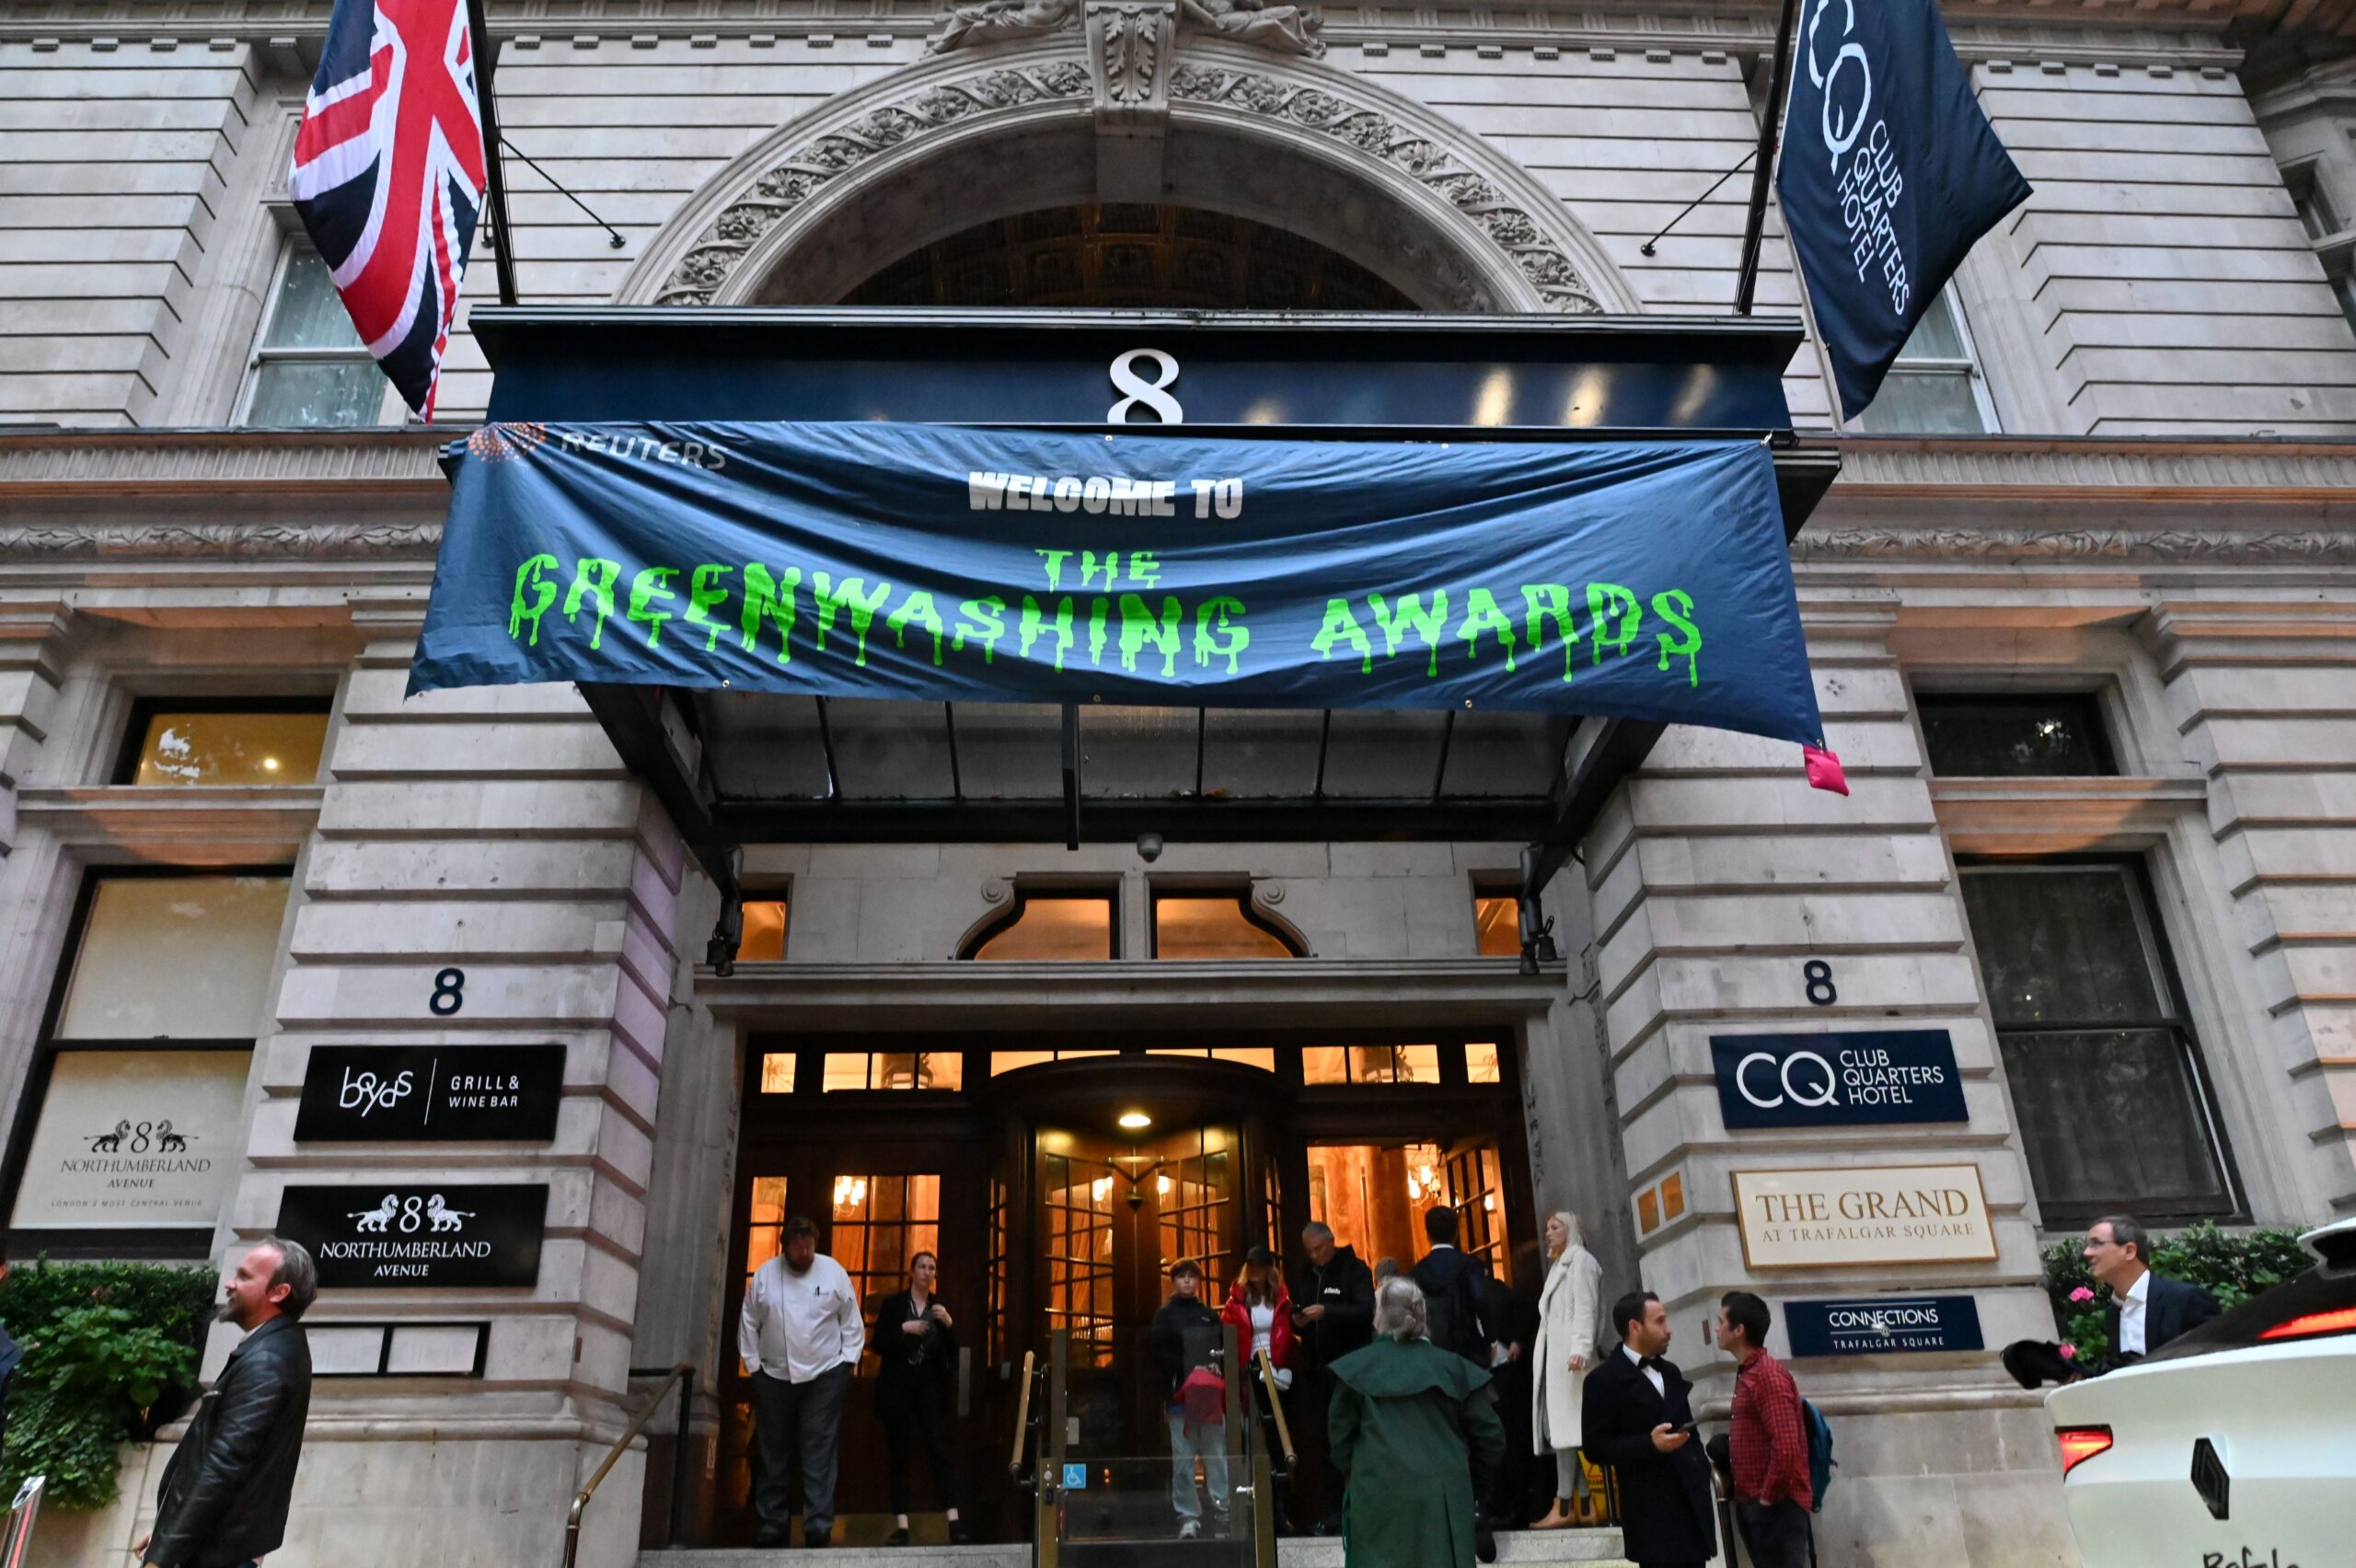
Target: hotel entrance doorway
x: 1059, y: 1179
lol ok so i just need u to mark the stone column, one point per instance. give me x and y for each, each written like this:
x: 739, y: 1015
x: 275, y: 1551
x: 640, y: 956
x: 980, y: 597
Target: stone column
x: 494, y: 831
x: 2260, y: 694
x: 1717, y: 875
x: 32, y: 634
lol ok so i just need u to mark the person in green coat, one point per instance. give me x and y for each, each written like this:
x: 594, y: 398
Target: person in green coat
x: 1416, y: 1440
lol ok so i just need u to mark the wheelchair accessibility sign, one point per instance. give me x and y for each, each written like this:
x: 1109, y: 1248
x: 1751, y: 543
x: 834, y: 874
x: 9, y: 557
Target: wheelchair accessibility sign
x: 1075, y: 1478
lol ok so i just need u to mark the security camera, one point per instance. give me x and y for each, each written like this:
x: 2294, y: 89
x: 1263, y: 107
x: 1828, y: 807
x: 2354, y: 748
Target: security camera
x: 1149, y: 847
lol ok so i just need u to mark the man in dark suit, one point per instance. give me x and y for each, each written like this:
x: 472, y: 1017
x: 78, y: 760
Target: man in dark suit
x: 1636, y: 1415
x: 1333, y: 1311
x: 2146, y: 1309
x: 225, y: 1492
x: 1455, y: 1284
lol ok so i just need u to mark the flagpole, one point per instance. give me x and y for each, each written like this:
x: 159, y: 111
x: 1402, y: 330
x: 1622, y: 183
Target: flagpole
x: 503, y: 255
x: 1762, y: 171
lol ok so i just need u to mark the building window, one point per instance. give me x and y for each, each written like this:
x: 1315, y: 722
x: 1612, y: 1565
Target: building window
x: 173, y: 958
x: 1497, y: 924
x: 894, y: 1070
x: 2052, y: 735
x: 2334, y: 240
x: 1261, y: 1057
x: 1936, y: 389
x: 1481, y: 1064
x: 879, y: 1224
x: 1370, y: 1063
x: 2106, y: 1074
x: 764, y: 936
x: 140, y: 1079
x: 765, y: 1230
x: 1051, y: 926
x: 309, y: 368
x: 267, y: 741
x: 1215, y: 926
x: 1015, y: 1061
x: 776, y: 1072
x: 1375, y: 1197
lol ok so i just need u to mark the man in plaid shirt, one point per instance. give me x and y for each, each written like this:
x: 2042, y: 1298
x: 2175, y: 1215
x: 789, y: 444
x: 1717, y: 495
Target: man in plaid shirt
x: 1769, y: 1439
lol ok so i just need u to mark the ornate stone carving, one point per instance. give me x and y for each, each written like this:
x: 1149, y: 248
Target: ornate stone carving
x: 999, y: 21
x: 1283, y: 29
x: 2073, y: 544
x: 1286, y: 29
x: 810, y: 167
x: 1129, y: 56
x: 242, y: 541
x: 1511, y: 228
x: 1128, y: 52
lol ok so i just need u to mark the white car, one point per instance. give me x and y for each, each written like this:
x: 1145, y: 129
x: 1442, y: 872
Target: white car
x: 2233, y: 1446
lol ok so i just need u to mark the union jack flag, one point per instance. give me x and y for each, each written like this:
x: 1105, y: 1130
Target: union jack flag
x: 389, y: 176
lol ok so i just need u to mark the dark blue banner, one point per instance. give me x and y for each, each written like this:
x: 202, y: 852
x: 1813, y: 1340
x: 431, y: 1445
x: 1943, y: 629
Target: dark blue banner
x: 1838, y: 1080
x: 1643, y: 580
x: 1882, y: 1325
x: 1889, y: 173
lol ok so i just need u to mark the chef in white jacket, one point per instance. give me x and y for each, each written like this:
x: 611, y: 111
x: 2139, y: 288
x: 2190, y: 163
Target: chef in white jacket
x: 800, y: 1335
x: 1570, y: 1322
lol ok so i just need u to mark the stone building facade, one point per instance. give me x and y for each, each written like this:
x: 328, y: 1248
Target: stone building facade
x: 2081, y: 607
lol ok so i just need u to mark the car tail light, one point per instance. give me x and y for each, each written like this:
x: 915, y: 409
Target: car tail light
x: 2311, y: 1325
x: 2080, y: 1443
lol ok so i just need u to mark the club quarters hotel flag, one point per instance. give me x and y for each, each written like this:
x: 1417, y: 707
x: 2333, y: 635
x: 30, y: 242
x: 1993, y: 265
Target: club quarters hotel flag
x: 1641, y: 579
x: 1889, y: 173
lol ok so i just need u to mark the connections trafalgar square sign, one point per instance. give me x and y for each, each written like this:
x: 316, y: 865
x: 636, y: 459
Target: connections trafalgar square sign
x: 1634, y: 579
x: 421, y: 1093
x: 438, y: 1236
x: 1853, y: 1216
x: 1882, y: 1325
x: 1834, y: 1080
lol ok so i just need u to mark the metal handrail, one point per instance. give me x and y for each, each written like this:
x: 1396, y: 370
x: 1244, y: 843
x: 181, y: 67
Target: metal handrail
x: 1021, y: 1418
x: 1276, y: 1408
x: 684, y: 1374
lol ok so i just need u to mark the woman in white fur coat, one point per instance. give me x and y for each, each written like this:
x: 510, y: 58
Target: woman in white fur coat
x: 1570, y: 1324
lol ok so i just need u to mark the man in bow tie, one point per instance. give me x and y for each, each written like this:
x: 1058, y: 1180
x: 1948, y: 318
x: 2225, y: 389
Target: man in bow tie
x: 1636, y: 1415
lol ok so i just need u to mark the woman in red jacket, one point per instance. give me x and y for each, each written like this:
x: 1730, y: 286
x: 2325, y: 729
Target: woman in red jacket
x: 1260, y: 1308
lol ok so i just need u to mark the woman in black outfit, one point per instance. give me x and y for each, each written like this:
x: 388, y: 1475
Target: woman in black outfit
x: 917, y: 1345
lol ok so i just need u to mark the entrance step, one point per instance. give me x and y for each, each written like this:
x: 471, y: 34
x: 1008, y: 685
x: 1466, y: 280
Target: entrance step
x: 1515, y: 1549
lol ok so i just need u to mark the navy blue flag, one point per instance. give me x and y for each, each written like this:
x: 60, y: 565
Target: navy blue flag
x: 1639, y: 579
x: 1889, y: 174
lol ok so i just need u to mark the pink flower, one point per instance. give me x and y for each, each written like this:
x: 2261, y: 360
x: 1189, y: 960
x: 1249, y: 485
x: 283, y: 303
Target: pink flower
x: 2069, y: 1352
x: 2082, y: 1293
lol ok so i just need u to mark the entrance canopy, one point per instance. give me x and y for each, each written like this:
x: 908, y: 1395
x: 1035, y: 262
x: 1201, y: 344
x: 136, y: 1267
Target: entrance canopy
x: 1384, y: 443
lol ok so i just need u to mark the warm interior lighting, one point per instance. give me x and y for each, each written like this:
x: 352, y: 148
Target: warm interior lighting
x: 1134, y: 1120
x: 2311, y: 1325
x: 2080, y: 1443
x: 849, y: 1191
x: 1162, y: 1185
x: 269, y: 764
x: 1101, y: 1189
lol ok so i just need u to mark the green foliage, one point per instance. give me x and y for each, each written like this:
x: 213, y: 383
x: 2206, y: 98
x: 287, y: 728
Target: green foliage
x: 110, y: 1351
x: 2233, y: 1266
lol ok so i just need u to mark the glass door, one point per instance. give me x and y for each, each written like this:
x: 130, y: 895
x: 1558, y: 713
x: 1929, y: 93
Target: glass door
x: 1115, y: 1216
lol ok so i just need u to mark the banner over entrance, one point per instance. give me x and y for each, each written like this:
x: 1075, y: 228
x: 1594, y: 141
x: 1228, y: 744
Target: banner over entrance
x: 1642, y: 580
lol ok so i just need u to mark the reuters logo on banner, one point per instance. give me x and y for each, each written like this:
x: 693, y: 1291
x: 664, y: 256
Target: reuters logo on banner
x: 498, y: 443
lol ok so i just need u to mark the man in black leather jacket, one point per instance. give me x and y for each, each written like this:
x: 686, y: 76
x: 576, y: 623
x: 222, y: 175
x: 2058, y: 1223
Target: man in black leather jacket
x: 224, y: 1499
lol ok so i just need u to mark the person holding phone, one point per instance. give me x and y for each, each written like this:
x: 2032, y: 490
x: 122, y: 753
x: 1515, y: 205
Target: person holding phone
x: 1636, y: 1415
x: 916, y: 1341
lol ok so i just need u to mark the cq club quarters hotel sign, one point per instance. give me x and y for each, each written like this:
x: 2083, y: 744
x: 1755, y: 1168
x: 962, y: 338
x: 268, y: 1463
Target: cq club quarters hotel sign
x: 1858, y: 1215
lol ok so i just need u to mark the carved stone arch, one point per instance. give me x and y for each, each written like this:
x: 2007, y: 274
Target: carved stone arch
x: 835, y: 196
